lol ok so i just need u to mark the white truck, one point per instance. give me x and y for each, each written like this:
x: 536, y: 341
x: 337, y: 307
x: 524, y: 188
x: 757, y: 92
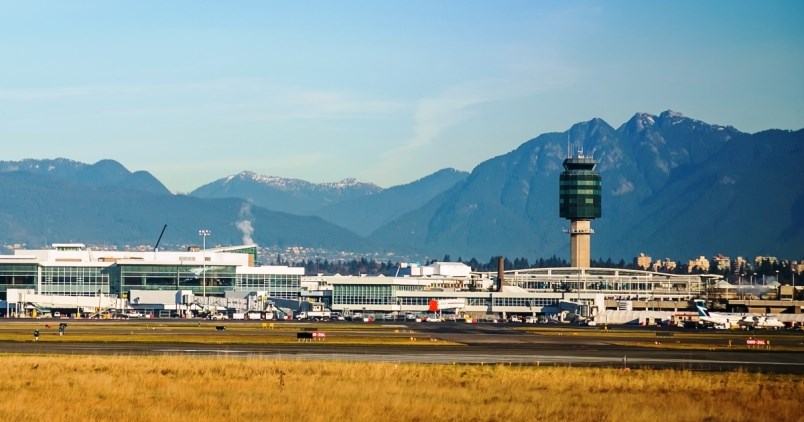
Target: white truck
x: 316, y: 315
x: 314, y: 310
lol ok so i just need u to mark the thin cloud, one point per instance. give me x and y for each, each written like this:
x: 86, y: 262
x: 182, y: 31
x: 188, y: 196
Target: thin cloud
x: 434, y: 116
x: 230, y: 100
x: 288, y: 104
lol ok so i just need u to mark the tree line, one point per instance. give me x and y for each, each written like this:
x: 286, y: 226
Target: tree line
x: 371, y: 267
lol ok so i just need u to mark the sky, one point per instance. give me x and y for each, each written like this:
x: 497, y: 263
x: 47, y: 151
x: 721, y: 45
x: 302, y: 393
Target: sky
x: 384, y: 91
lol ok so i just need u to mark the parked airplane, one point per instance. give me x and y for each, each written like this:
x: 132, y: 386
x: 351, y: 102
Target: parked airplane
x: 755, y: 321
x: 717, y: 320
x: 725, y: 321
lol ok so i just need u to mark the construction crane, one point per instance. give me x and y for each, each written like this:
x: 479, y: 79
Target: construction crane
x: 156, y: 247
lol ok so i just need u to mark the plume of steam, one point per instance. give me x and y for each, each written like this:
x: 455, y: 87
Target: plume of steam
x: 244, y: 223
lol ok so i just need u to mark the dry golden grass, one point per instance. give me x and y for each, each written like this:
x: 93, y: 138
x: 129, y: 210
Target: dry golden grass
x: 128, y: 388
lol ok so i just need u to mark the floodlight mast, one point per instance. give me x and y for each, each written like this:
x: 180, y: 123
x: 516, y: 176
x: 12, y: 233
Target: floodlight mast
x: 204, y: 233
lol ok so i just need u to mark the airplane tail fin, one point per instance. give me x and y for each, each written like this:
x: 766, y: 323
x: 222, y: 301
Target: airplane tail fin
x: 700, y: 306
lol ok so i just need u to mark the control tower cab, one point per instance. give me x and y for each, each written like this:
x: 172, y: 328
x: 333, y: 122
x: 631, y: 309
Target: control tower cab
x: 579, y: 202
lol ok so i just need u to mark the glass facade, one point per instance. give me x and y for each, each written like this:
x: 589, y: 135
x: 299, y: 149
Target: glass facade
x: 117, y: 279
x: 17, y: 276
x: 355, y: 295
x: 579, y: 190
x: 218, y: 278
x: 75, y: 281
x: 414, y: 301
x: 526, y: 302
x: 369, y: 294
x: 484, y: 301
x: 409, y: 288
x: 281, y: 286
x: 477, y: 301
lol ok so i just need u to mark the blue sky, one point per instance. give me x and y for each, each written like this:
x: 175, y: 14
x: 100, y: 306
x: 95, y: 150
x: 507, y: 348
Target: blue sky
x: 387, y: 92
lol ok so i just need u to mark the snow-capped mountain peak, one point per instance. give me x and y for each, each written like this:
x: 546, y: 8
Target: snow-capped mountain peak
x: 290, y: 184
x: 286, y: 194
x: 639, y: 123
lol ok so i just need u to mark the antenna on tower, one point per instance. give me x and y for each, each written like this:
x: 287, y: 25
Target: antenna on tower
x: 569, y: 148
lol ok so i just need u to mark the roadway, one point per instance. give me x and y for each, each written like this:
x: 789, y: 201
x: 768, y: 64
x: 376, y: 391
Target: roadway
x: 468, y: 344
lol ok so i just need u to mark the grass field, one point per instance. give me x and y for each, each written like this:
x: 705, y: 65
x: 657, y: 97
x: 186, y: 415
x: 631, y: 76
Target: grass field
x: 130, y: 388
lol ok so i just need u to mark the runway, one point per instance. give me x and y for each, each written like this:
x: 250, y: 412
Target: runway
x: 468, y: 344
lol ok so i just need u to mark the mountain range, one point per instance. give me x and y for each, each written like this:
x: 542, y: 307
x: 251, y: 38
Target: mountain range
x: 358, y: 206
x: 672, y: 186
x: 288, y: 195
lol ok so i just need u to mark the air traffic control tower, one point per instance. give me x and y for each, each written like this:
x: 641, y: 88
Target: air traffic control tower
x: 579, y: 202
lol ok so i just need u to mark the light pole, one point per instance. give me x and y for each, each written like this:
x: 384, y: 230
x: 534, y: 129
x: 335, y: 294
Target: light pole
x: 740, y: 287
x: 204, y: 233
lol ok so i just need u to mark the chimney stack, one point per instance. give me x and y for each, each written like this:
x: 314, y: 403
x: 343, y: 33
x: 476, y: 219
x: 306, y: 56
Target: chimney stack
x: 500, y: 274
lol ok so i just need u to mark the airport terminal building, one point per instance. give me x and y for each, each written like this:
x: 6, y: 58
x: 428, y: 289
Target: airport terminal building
x: 70, y: 276
x: 522, y: 292
x: 78, y: 282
